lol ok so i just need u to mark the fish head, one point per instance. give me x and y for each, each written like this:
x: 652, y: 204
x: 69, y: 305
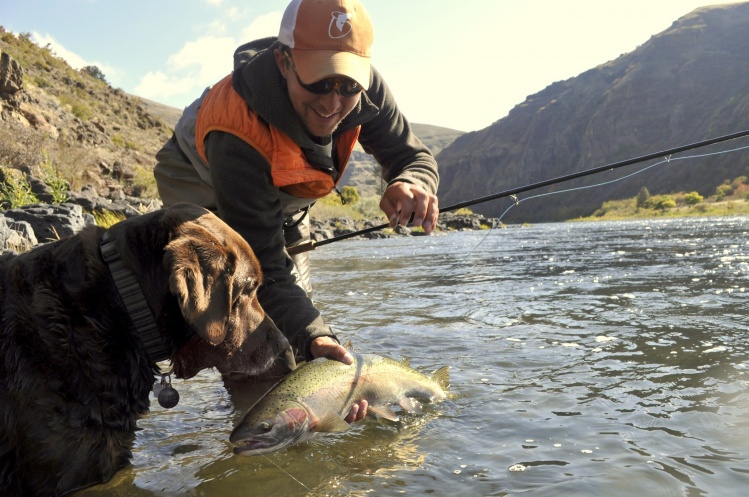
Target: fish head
x: 271, y: 429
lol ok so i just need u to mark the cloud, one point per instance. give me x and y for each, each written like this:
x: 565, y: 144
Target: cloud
x: 156, y: 85
x: 73, y: 59
x: 196, y: 65
x: 44, y: 40
x: 202, y: 62
x: 262, y: 26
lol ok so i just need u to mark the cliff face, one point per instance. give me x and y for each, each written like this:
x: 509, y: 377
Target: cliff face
x: 686, y: 84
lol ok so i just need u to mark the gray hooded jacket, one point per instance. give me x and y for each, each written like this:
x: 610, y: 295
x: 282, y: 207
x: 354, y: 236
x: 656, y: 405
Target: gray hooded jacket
x: 236, y: 182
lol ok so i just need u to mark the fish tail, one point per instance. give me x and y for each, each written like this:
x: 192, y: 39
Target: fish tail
x: 442, y: 377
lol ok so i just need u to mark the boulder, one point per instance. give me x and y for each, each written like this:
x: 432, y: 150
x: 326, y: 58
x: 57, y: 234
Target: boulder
x: 11, y: 75
x: 51, y: 222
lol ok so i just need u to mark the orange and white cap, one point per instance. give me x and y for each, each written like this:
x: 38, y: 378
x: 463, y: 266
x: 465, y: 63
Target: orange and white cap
x: 328, y: 38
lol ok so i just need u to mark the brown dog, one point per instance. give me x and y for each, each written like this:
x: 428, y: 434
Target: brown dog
x: 75, y: 368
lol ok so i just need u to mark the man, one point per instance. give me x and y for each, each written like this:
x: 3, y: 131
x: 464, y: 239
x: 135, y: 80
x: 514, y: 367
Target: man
x: 261, y: 145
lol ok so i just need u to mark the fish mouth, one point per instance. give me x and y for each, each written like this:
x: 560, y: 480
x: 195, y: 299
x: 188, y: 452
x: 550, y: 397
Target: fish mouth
x: 259, y: 446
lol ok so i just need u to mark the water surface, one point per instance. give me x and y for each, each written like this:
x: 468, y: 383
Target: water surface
x: 586, y: 359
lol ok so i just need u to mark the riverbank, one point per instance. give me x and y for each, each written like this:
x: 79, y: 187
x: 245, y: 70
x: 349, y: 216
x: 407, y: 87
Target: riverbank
x: 626, y: 209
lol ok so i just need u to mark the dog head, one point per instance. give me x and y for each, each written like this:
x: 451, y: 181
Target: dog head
x: 214, y: 275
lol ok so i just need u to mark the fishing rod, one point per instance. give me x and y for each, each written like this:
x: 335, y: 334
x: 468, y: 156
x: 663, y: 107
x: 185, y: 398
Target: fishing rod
x: 312, y: 245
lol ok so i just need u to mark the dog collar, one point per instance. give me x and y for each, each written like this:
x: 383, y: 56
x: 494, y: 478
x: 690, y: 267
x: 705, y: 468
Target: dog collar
x: 134, y: 300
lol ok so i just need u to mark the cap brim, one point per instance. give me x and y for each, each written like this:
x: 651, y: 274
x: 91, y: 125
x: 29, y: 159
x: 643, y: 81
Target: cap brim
x: 314, y: 65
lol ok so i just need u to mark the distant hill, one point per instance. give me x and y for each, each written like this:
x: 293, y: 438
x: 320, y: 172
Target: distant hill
x: 170, y: 115
x: 688, y: 83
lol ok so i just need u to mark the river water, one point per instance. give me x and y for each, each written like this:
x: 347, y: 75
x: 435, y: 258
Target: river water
x: 586, y: 359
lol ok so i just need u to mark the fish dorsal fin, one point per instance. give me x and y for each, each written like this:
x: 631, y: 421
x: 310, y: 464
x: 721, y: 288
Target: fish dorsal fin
x: 384, y: 412
x: 330, y: 422
x: 349, y: 346
x: 442, y: 377
x: 406, y: 362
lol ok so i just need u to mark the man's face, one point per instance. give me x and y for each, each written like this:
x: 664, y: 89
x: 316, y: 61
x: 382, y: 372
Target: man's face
x: 320, y: 114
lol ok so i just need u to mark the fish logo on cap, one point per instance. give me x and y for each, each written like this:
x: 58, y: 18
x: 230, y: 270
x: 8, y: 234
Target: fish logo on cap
x: 342, y: 25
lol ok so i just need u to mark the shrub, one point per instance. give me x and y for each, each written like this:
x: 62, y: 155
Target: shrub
x: 15, y: 190
x: 350, y: 195
x: 52, y: 177
x: 664, y: 203
x: 693, y: 198
x: 723, y: 191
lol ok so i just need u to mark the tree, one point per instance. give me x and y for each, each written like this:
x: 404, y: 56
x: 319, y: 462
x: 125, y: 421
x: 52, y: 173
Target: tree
x: 94, y: 72
x: 643, y: 198
x: 350, y: 195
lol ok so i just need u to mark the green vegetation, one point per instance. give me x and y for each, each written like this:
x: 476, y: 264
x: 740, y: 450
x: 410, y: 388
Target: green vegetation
x: 144, y: 182
x: 53, y: 178
x: 79, y: 108
x: 15, y: 189
x: 122, y: 142
x: 356, y: 207
x: 730, y: 198
x: 94, y: 72
x: 107, y: 219
x: 350, y: 195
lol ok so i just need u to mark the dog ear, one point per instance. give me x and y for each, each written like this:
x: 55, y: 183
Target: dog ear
x: 201, y: 281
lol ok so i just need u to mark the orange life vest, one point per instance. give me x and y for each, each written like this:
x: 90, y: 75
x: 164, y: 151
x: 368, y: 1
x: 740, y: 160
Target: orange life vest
x: 223, y: 109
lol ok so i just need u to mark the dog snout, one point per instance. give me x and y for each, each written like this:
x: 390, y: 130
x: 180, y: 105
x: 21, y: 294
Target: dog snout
x: 286, y: 359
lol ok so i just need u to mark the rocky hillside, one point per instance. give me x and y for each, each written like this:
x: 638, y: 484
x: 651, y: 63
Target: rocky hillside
x: 686, y: 84
x: 74, y: 124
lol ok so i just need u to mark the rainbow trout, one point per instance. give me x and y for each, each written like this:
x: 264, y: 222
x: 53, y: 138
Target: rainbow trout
x: 316, y: 397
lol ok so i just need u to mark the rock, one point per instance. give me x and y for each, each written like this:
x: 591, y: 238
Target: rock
x: 11, y: 75
x: 91, y: 201
x: 16, y: 236
x: 38, y: 121
x: 51, y: 222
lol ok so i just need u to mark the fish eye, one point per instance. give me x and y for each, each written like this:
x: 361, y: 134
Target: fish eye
x: 264, y: 427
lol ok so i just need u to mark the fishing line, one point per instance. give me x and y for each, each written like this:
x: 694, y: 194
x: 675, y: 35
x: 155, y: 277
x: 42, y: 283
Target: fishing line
x: 287, y: 473
x: 311, y: 245
x: 665, y: 160
x: 517, y: 201
x: 524, y: 382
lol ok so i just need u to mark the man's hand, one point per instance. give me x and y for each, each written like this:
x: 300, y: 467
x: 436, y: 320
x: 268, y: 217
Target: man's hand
x: 401, y: 199
x: 327, y: 347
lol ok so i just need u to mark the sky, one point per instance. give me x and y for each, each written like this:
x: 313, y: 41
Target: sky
x: 461, y: 65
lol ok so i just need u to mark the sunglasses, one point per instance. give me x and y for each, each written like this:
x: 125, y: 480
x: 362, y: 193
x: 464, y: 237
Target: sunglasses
x: 346, y: 88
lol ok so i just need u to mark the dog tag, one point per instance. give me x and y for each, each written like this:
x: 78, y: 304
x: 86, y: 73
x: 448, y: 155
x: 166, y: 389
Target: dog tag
x: 167, y: 395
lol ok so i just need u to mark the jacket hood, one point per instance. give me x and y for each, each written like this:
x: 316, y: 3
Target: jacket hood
x: 257, y: 79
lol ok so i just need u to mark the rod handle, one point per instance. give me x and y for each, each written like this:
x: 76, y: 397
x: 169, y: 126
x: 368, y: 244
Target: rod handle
x: 301, y: 248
